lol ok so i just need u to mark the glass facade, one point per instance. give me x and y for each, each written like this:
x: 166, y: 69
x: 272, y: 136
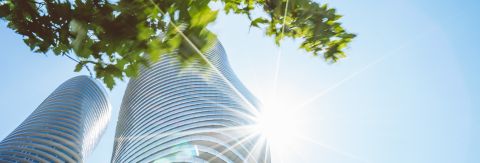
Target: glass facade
x: 195, y: 113
x: 64, y: 128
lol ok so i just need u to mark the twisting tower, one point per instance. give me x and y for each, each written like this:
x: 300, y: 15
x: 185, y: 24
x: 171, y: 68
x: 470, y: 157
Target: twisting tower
x: 195, y: 113
x: 64, y: 128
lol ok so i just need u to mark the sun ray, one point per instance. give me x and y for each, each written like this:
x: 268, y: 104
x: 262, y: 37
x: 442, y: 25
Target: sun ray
x: 251, y: 107
x: 260, y: 141
x: 250, y: 117
x: 189, y: 132
x: 276, y: 74
x: 279, y: 56
x: 339, y: 83
x: 361, y: 70
x: 242, y: 134
x: 267, y: 151
x: 239, y: 142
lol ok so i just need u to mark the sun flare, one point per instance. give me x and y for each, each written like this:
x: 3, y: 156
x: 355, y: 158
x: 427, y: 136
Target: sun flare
x: 279, y: 125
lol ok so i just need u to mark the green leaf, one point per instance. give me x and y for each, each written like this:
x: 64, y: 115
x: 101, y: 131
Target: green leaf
x: 79, y: 66
x: 256, y: 22
x: 144, y: 32
x: 109, y: 81
x: 132, y: 70
x: 201, y: 16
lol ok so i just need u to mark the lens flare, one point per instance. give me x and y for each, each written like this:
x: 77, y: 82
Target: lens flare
x: 279, y: 125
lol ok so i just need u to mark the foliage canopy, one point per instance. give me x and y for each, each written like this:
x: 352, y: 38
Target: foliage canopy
x: 116, y: 38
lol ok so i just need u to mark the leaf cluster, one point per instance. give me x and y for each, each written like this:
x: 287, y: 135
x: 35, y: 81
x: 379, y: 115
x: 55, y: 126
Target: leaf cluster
x: 116, y: 39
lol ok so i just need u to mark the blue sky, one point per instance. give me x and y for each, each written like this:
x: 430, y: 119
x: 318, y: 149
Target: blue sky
x: 408, y: 92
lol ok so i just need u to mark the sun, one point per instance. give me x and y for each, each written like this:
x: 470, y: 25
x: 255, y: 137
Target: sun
x: 279, y: 124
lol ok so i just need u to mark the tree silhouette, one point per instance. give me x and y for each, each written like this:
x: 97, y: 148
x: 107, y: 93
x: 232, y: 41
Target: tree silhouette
x: 116, y: 38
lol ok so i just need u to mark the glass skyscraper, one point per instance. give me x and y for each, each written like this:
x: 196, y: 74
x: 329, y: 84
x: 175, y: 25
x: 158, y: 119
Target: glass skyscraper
x: 64, y: 128
x: 188, y: 113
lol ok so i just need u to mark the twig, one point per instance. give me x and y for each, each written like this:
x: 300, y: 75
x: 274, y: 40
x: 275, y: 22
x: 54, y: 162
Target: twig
x: 86, y: 67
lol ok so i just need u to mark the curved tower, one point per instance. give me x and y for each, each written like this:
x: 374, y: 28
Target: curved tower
x: 195, y: 113
x: 64, y: 128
